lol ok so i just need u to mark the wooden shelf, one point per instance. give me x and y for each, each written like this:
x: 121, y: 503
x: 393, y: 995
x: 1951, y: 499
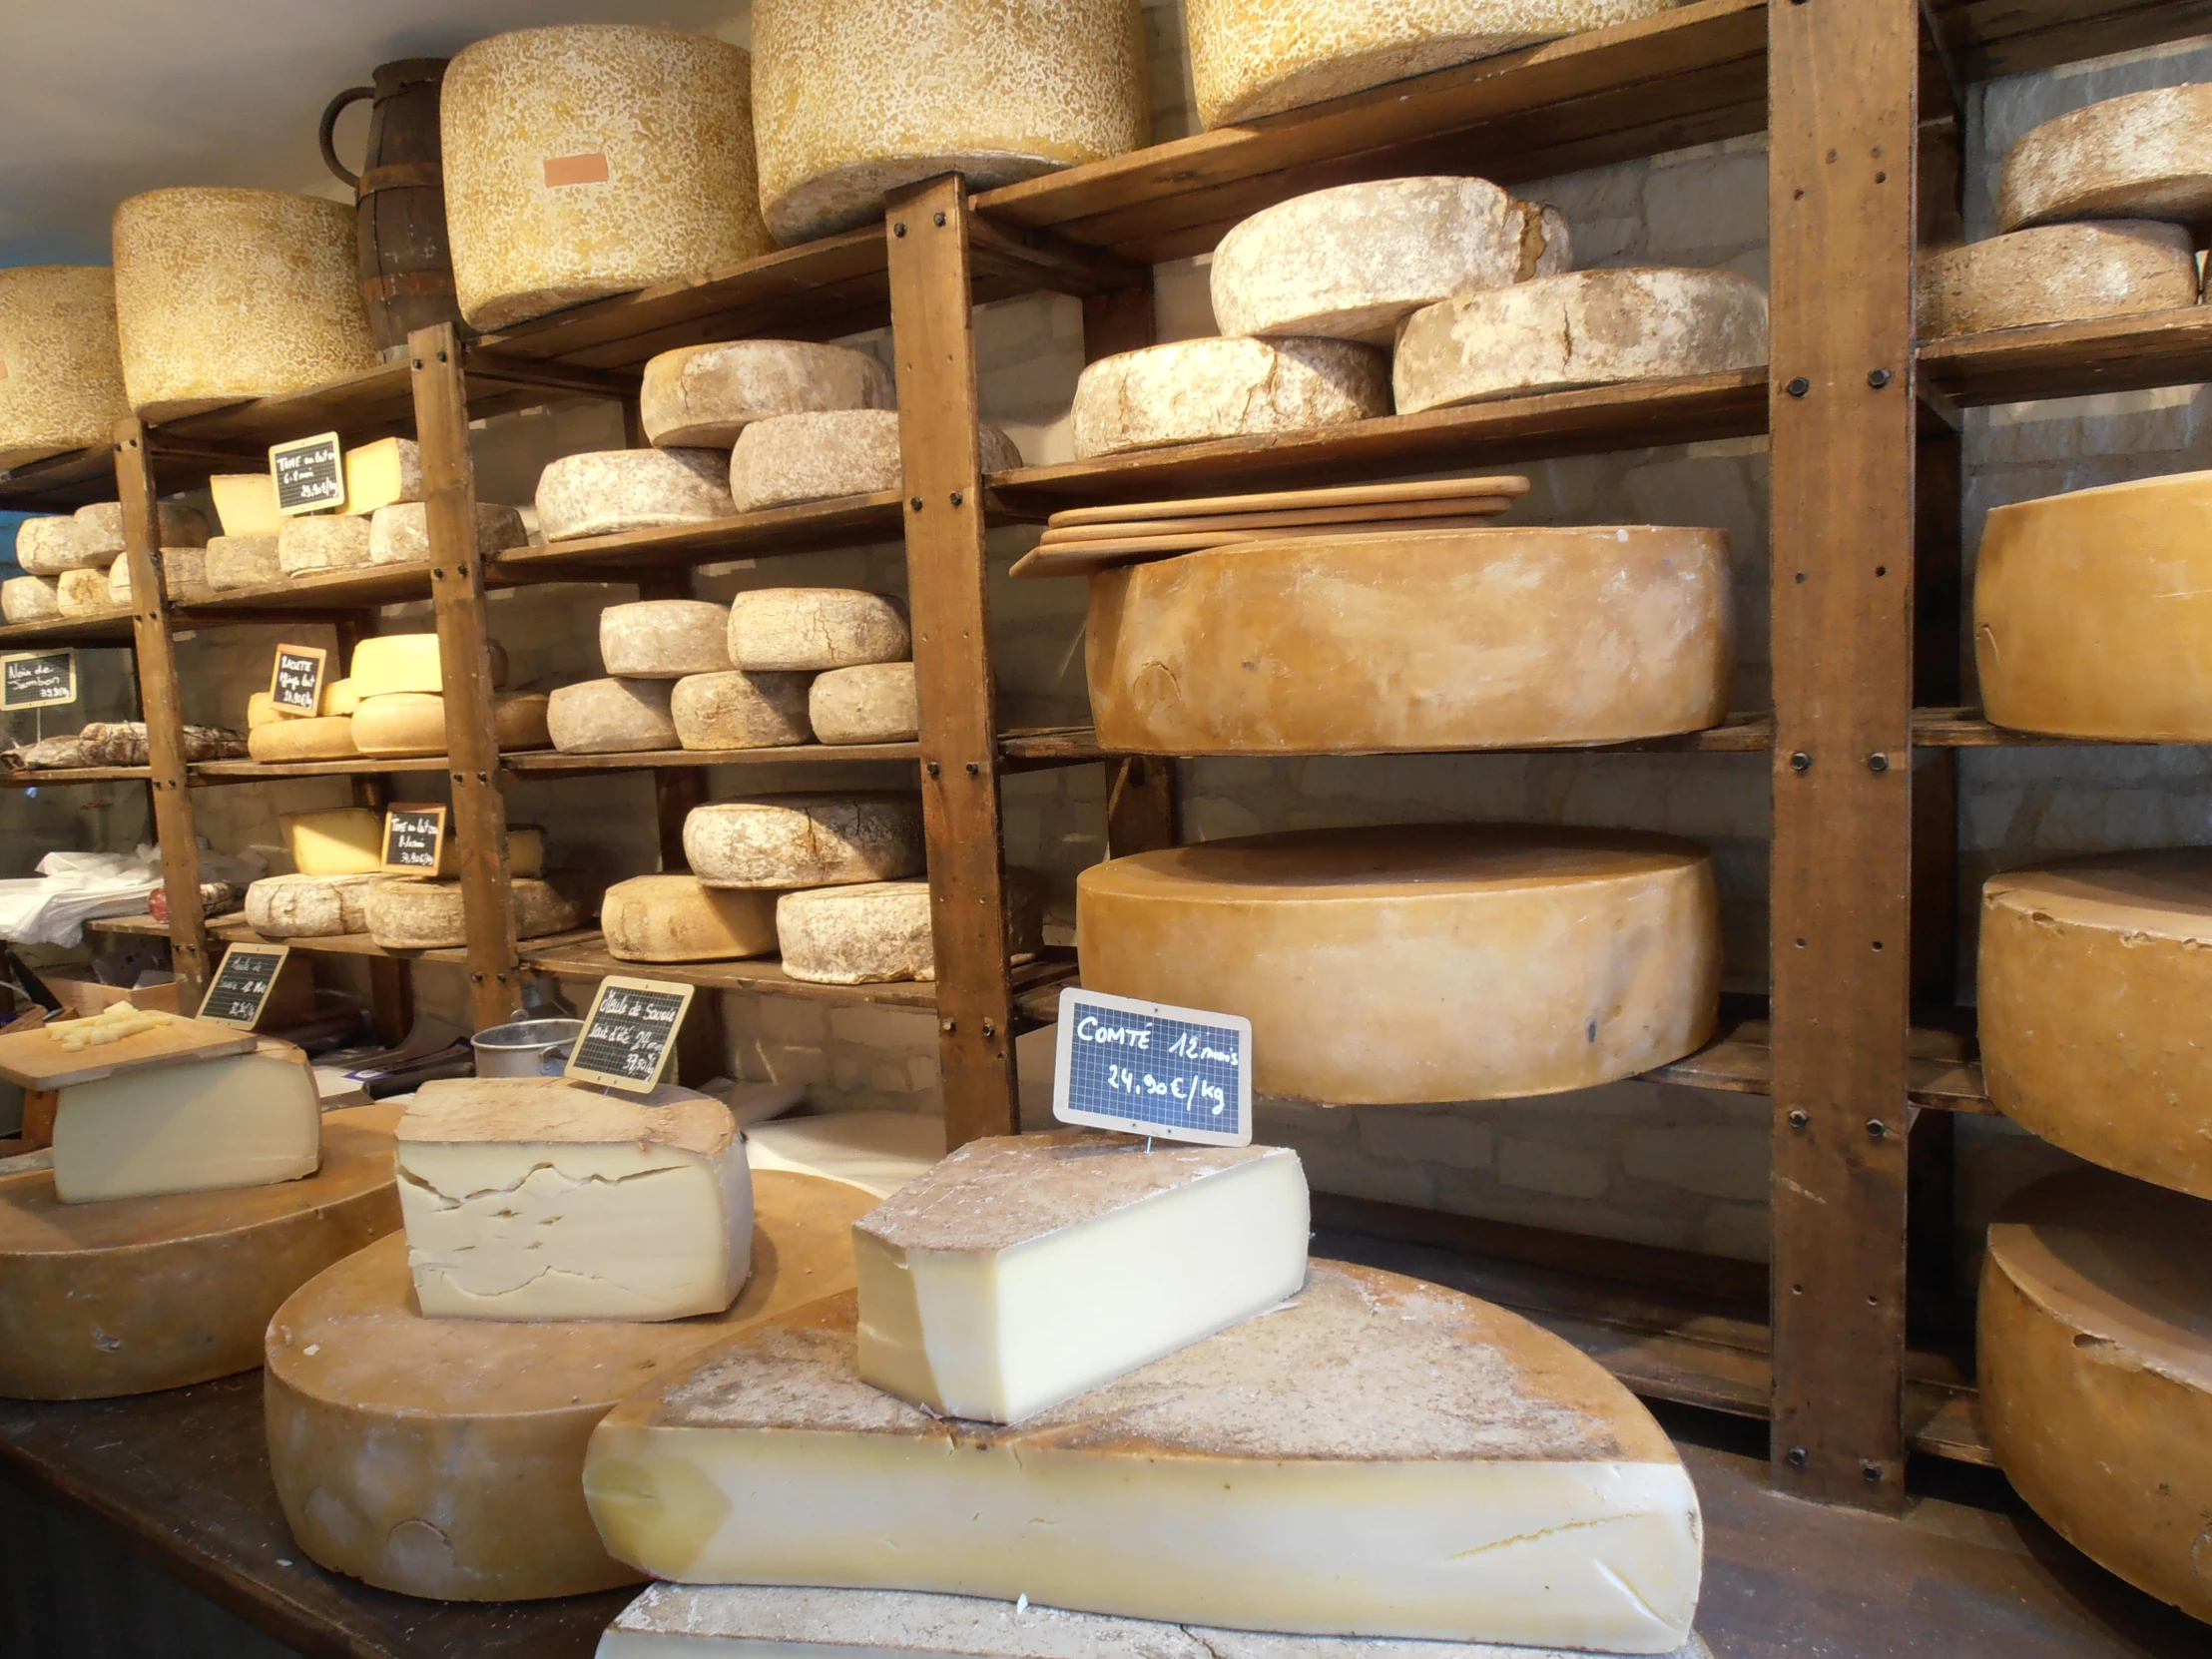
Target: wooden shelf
x: 585, y: 956
x: 1966, y: 729
x: 108, y: 628
x: 256, y: 772
x: 354, y: 587
x: 232, y: 929
x: 60, y: 483
x: 1985, y: 39
x: 1740, y: 734
x: 2071, y: 359
x: 1941, y: 1072
x: 810, y: 527
x: 40, y: 778
x: 549, y: 763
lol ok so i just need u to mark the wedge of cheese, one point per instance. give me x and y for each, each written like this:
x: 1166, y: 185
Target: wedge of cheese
x: 383, y: 474
x: 242, y: 1120
x: 345, y: 840
x: 525, y: 849
x: 245, y: 503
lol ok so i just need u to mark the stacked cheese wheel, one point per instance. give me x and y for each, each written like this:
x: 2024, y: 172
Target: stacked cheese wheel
x: 337, y: 858
x: 77, y: 565
x: 390, y: 704
x: 61, y: 371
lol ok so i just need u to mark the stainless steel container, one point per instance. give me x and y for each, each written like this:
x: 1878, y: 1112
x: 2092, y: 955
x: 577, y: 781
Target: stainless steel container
x: 526, y: 1047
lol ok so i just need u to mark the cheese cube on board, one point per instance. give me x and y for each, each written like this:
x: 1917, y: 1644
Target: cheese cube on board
x: 244, y: 1120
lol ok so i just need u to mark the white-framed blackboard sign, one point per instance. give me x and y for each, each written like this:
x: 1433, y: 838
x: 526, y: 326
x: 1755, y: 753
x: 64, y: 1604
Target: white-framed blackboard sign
x: 414, y: 838
x: 630, y: 1033
x: 296, y: 677
x: 1147, y: 1068
x: 242, y: 985
x: 38, y: 679
x: 309, y: 474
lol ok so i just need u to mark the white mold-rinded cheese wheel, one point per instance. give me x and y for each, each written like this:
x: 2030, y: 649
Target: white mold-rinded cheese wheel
x: 702, y: 396
x: 184, y: 575
x: 1357, y: 953
x: 813, y: 457
x: 321, y: 541
x: 345, y: 840
x: 407, y: 914
x: 816, y: 628
x: 520, y: 720
x: 611, y: 717
x: 1194, y: 389
x: 387, y: 663
x: 2056, y: 274
x: 677, y: 918
x: 608, y: 491
x: 879, y: 932
x: 738, y: 710
x: 1251, y: 58
x: 48, y: 546
x: 2093, y: 984
x: 309, y: 907
x: 593, y: 159
x: 400, y: 533
x: 322, y: 738
x: 1438, y: 639
x: 2097, y: 1372
x: 61, y: 371
x: 179, y: 526
x: 873, y: 703
x: 400, y: 722
x: 1353, y: 261
x: 82, y: 592
x: 1585, y: 328
x: 30, y: 598
x: 804, y: 841
x: 242, y: 561
x: 853, y: 102
x: 227, y: 295
x: 2145, y: 156
x: 665, y: 639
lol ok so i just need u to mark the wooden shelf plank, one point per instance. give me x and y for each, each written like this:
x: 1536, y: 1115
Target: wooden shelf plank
x: 548, y: 762
x: 1941, y: 1073
x: 1966, y: 729
x: 257, y: 772
x: 108, y: 628
x: 1740, y: 734
x: 60, y: 483
x: 2071, y: 359
x: 1987, y: 39
x: 812, y: 526
x: 38, y: 778
x: 585, y: 956
x: 351, y: 588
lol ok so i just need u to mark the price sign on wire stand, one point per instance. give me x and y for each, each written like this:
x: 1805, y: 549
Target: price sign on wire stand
x: 415, y: 840
x: 38, y: 679
x: 240, y: 990
x: 630, y: 1033
x: 1146, y: 1068
x: 296, y: 677
x: 308, y: 474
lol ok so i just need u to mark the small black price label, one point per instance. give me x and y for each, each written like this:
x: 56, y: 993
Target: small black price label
x: 630, y: 1033
x: 295, y: 678
x: 38, y: 679
x: 241, y: 988
x: 309, y: 474
x: 415, y: 840
x: 1146, y: 1068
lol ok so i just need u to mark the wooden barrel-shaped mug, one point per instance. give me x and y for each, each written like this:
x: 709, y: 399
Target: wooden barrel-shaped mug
x: 406, y: 262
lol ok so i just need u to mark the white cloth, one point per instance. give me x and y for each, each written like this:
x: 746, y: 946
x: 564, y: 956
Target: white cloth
x: 72, y: 888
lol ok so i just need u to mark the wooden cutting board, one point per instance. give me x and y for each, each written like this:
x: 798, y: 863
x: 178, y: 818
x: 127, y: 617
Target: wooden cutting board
x: 1354, y: 495
x: 1085, y: 558
x: 36, y: 1061
x: 1288, y: 519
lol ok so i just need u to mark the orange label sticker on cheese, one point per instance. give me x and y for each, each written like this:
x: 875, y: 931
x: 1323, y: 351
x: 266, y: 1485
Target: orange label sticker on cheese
x: 575, y: 169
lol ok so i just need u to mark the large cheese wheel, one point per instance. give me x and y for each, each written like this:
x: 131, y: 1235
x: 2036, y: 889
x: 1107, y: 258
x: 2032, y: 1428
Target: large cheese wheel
x: 408, y: 915
x: 815, y: 628
x: 608, y: 491
x: 30, y: 598
x: 610, y: 716
x: 143, y: 1293
x: 664, y: 638
x: 2145, y: 156
x: 400, y: 722
x: 1353, y: 261
x: 702, y: 396
x: 2056, y: 274
x: 386, y: 663
x: 2096, y: 1374
x: 677, y: 918
x: 61, y: 369
x: 83, y: 593
x: 322, y: 738
x: 880, y: 932
x: 321, y: 541
x: 177, y: 525
x: 444, y: 1457
x: 1421, y: 962
x: 591, y: 160
x: 1195, y: 390
x: 1585, y: 328
x: 804, y: 841
x: 48, y: 546
x: 309, y: 907
x: 400, y: 533
x: 738, y: 710
x: 852, y: 102
x: 1434, y: 639
x: 184, y: 575
x: 520, y: 720
x: 242, y: 561
x: 226, y: 294
x: 811, y: 457
x: 873, y: 703
x: 2094, y: 612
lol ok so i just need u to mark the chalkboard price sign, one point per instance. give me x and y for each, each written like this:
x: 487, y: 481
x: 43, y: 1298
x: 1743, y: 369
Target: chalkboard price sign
x: 295, y: 678
x: 309, y: 474
x: 414, y: 838
x: 630, y: 1033
x: 241, y: 988
x: 38, y: 679
x: 1146, y: 1068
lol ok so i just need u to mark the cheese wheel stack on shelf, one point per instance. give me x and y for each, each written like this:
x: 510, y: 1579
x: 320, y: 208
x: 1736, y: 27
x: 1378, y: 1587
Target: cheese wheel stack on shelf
x: 704, y: 396
x: 786, y: 459
x: 77, y: 564
x: 183, y: 576
x: 390, y: 704
x: 609, y: 491
x: 61, y: 367
x: 411, y: 914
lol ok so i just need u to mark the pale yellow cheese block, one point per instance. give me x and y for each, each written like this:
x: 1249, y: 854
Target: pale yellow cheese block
x: 810, y: 629
x: 804, y: 841
x: 1195, y: 390
x: 310, y: 906
x: 262, y: 709
x: 869, y: 703
x: 245, y: 503
x: 607, y: 492
x: 61, y: 369
x: 341, y: 697
x: 322, y: 738
x: 242, y: 561
x: 387, y: 663
x: 525, y: 849
x: 664, y: 638
x: 705, y: 397
x: 410, y: 914
x: 677, y: 918
x: 520, y: 720
x: 2147, y: 154
x: 611, y: 717
x: 741, y: 709
x: 30, y: 598
x: 383, y: 474
x: 343, y: 840
x: 2056, y: 274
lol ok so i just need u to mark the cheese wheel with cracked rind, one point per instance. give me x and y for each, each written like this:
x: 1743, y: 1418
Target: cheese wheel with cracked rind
x: 242, y: 561
x: 804, y: 841
x: 811, y: 629
x: 309, y: 907
x: 321, y: 738
x: 2097, y: 1372
x: 1355, y: 261
x: 407, y: 914
x: 48, y: 546
x: 184, y: 575
x: 30, y: 598
x: 878, y: 933
x: 2147, y: 154
x: 83, y: 593
x: 1436, y: 638
x: 664, y: 638
x: 1195, y: 390
x: 787, y: 459
x: 741, y: 709
x: 1585, y: 328
x: 705, y: 397
x: 593, y: 159
x: 179, y: 526
x: 606, y: 492
x: 382, y: 1422
x: 871, y: 702
x: 321, y: 541
x: 1355, y: 953
x: 611, y: 717
x: 400, y: 533
x: 61, y: 367
x: 2056, y: 274
x: 678, y: 918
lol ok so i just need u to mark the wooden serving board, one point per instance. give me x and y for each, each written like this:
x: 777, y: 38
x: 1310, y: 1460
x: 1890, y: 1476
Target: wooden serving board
x: 1288, y: 519
x: 1085, y: 558
x: 35, y: 1061
x: 1351, y: 495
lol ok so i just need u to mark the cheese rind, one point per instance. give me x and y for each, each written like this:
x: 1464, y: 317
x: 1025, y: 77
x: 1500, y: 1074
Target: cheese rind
x: 869, y: 703
x: 2139, y: 157
x: 400, y: 722
x: 611, y: 717
x: 48, y: 546
x: 179, y: 526
x: 1195, y: 390
x: 521, y: 720
x: 400, y: 533
x: 387, y: 663
x: 677, y: 918
x: 29, y: 598
x: 309, y: 907
x: 2056, y: 274
x: 242, y: 1120
x: 184, y: 575
x: 242, y: 561
x: 321, y: 541
x: 804, y: 841
x: 787, y: 459
x: 322, y: 738
x: 383, y: 473
x: 878, y: 931
x: 525, y: 849
x: 61, y: 369
x: 245, y: 503
x: 83, y: 593
x: 705, y: 397
x: 739, y: 709
x: 345, y: 840
x: 811, y: 629
x: 609, y: 491
x: 407, y: 914
x: 664, y: 638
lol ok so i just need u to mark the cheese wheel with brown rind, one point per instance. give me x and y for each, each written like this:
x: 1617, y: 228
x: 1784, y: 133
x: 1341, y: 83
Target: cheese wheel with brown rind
x: 323, y: 541
x: 1195, y: 390
x: 407, y: 914
x: 811, y: 629
x: 2056, y: 274
x: 30, y: 598
x: 880, y: 932
x: 705, y: 397
x: 609, y: 491
x: 309, y: 907
x: 804, y: 841
x: 181, y: 526
x: 678, y: 918
x: 242, y: 561
x: 787, y: 459
x: 664, y: 638
x: 61, y: 369
x: 611, y: 717
x: 400, y: 533
x: 741, y: 709
x: 871, y: 702
x: 2147, y: 154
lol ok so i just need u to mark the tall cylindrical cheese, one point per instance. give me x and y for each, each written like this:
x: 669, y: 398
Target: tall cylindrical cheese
x: 1194, y: 389
x: 738, y: 710
x: 702, y: 396
x: 608, y: 491
x: 2145, y: 156
x: 665, y: 639
x: 321, y: 541
x: 2056, y: 274
x: 852, y: 102
x: 791, y: 458
x: 611, y: 717
x: 310, y: 906
x: 242, y: 561
x: 804, y: 841
x: 678, y: 918
x: 408, y: 915
x: 873, y: 703
x: 61, y: 369
x: 590, y: 160
x: 226, y: 294
x: 815, y: 628
x: 30, y: 598
x: 1421, y: 962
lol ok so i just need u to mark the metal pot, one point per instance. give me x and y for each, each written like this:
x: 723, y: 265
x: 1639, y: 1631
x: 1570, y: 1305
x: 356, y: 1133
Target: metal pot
x: 526, y: 1047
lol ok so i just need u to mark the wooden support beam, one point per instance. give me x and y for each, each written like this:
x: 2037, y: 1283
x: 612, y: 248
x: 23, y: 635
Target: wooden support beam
x: 1042, y: 260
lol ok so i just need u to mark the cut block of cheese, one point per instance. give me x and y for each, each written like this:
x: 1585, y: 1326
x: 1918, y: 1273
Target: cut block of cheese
x: 322, y: 738
x: 1380, y: 1456
x: 30, y: 598
x: 240, y: 1120
x: 1195, y: 390
x: 61, y: 369
x: 878, y: 931
x: 2093, y: 612
x: 83, y: 593
x: 878, y: 1152
x: 704, y: 396
x: 531, y: 1198
x: 664, y: 638
x: 224, y: 295
x: 400, y: 722
x: 102, y: 1300
x: 801, y: 629
x: 520, y: 720
x: 2144, y: 156
x: 2097, y: 1372
x: 608, y: 491
x: 382, y: 474
x: 310, y: 906
x: 869, y: 703
x: 179, y: 526
x: 2056, y: 274
x: 48, y: 546
x: 1353, y: 261
x: 1436, y: 638
x: 400, y: 533
x: 1251, y: 58
x: 1357, y: 954
x: 387, y: 663
x: 804, y: 841
x: 678, y: 918
x: 1025, y: 1270
x: 611, y: 717
x: 787, y: 459
x: 383, y: 1422
x: 1584, y: 328
x: 854, y: 102
x: 242, y: 561
x: 525, y: 849
x: 739, y: 709
x: 321, y: 541
x: 245, y: 503
x: 345, y: 840
x: 407, y: 914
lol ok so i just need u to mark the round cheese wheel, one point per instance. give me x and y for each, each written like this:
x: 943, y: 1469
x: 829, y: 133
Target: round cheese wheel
x: 879, y: 932
x: 321, y: 541
x: 322, y: 738
x: 400, y: 722
x: 738, y: 710
x: 184, y: 575
x: 102, y: 522
x: 48, y: 546
x: 873, y: 703
x: 382, y: 1424
x: 30, y: 598
x: 590, y: 160
x: 520, y: 720
x: 139, y: 1294
x: 341, y: 697
x: 242, y: 561
x: 83, y: 593
x: 525, y: 849
x: 2144, y: 156
x: 1434, y: 639
x: 309, y: 907
x: 1585, y: 328
x: 1362, y: 957
x: 2096, y: 1374
x: 2056, y: 274
x: 787, y: 459
x: 1353, y: 261
x: 702, y: 396
x: 1195, y: 390
x: 226, y: 294
x: 854, y: 102
x: 815, y: 628
x: 400, y: 533
x: 610, y: 716
x: 804, y: 841
x: 410, y: 914
x: 61, y: 369
x: 676, y: 919
x: 664, y: 638
x: 608, y: 491
x: 386, y: 663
